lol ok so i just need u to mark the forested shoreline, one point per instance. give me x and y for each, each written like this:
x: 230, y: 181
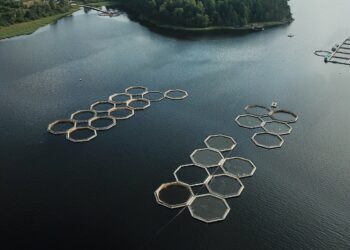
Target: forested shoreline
x: 176, y: 14
x: 13, y: 12
x: 209, y: 13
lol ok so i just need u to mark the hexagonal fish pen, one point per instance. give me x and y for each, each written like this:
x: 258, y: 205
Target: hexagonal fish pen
x: 136, y: 91
x: 239, y: 167
x: 267, y: 140
x: 220, y: 142
x: 103, y: 115
x: 277, y: 127
x: 249, y: 121
x: 225, y: 185
x: 120, y: 98
x: 206, y: 157
x: 283, y: 116
x: 209, y: 208
x: 81, y: 134
x: 173, y: 194
x: 176, y: 94
x: 275, y: 123
x: 102, y: 123
x: 60, y: 127
x: 191, y: 175
x: 153, y: 96
x: 102, y: 106
x: 83, y: 115
x: 203, y: 188
x: 257, y: 110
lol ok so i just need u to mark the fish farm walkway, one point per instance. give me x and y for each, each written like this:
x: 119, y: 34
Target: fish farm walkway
x: 341, y: 54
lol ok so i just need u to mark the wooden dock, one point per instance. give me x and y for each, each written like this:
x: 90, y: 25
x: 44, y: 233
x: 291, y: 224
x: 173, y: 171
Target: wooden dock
x: 341, y: 54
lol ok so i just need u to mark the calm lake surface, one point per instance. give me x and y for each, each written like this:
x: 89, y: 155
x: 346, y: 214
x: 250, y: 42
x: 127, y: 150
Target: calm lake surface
x: 99, y: 195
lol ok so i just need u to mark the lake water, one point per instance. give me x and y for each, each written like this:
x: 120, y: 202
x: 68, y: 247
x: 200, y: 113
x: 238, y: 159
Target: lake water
x: 59, y: 195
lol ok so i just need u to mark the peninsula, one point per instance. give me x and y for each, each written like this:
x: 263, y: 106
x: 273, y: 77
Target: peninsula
x: 200, y: 15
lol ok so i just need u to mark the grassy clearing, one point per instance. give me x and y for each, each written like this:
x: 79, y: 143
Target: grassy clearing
x: 28, y: 28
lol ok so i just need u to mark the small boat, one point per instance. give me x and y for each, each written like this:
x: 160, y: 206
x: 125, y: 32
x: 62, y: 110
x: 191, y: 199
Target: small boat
x: 290, y: 35
x: 258, y: 28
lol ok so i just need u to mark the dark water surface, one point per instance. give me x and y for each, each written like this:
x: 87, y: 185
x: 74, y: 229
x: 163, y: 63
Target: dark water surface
x: 58, y: 195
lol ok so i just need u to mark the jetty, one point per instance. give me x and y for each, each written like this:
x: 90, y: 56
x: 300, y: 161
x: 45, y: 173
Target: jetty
x: 110, y: 13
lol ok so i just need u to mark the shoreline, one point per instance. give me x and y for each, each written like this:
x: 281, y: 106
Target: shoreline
x: 248, y: 27
x: 27, y: 28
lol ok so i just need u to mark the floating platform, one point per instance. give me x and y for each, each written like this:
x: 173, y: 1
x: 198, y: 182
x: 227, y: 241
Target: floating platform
x: 110, y: 13
x: 340, y: 53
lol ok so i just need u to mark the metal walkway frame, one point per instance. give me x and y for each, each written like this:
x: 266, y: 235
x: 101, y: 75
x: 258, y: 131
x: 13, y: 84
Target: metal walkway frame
x: 341, y: 55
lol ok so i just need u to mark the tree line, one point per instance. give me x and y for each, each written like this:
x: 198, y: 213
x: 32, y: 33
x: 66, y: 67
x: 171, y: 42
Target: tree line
x: 204, y: 13
x: 17, y: 11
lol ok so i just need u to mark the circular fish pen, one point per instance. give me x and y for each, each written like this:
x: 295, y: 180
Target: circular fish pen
x: 322, y: 53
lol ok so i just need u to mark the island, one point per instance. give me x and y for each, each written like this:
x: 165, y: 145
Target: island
x: 202, y: 15
x: 21, y: 17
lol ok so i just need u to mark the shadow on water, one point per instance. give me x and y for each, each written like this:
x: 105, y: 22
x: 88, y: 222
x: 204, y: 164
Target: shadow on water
x: 183, y: 34
x: 190, y: 34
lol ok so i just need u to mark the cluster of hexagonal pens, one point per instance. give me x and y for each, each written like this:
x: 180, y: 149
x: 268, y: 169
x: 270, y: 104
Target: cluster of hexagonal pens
x: 218, y: 176
x: 83, y: 125
x: 275, y: 123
